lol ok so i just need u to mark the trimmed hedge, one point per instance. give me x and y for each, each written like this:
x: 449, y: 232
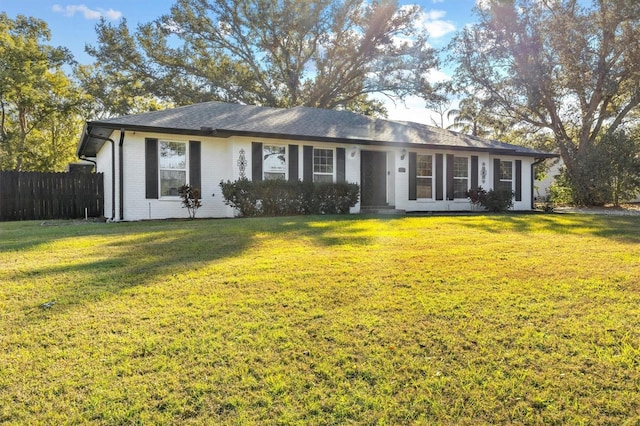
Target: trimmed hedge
x: 284, y: 198
x: 494, y: 201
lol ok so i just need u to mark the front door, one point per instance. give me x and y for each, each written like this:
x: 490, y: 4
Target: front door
x: 373, y: 178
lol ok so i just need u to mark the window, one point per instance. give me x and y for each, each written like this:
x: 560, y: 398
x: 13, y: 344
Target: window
x: 506, y: 176
x: 424, y: 176
x: 173, y: 167
x: 322, y: 165
x: 274, y: 162
x: 460, y: 177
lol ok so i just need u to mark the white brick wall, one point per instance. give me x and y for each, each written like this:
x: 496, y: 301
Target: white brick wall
x: 103, y: 165
x: 220, y: 162
x: 402, y: 183
x: 215, y: 167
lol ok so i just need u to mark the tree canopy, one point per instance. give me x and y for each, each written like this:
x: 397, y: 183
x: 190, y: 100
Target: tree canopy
x: 475, y: 117
x: 557, y: 65
x: 319, y: 53
x: 37, y: 99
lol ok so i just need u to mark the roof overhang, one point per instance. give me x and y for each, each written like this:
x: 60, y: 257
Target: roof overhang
x: 92, y: 139
x: 95, y: 134
x: 356, y: 141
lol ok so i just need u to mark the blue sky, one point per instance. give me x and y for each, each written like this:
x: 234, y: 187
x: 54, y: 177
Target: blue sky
x: 72, y: 25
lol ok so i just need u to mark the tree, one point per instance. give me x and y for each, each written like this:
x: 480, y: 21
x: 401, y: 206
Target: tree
x: 318, y: 53
x: 37, y: 99
x: 440, y: 105
x: 475, y: 117
x: 556, y: 65
x: 109, y: 93
x: 621, y: 154
x: 614, y: 166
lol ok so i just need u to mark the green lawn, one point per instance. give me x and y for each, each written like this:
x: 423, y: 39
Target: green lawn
x: 497, y: 319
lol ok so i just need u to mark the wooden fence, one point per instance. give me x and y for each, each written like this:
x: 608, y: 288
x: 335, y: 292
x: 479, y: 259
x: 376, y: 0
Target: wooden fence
x: 39, y: 196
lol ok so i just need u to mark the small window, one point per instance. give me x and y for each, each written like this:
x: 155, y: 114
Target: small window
x: 424, y: 176
x: 322, y: 165
x: 460, y: 177
x: 172, y: 167
x: 274, y: 162
x: 506, y: 176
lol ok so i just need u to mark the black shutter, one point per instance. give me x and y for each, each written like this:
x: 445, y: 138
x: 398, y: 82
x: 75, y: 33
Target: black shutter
x: 518, y: 179
x: 307, y: 163
x: 256, y: 161
x: 474, y: 172
x: 439, y: 177
x: 293, y: 163
x: 195, y: 165
x: 341, y: 173
x: 151, y: 168
x: 450, y: 193
x: 496, y: 174
x: 413, y: 173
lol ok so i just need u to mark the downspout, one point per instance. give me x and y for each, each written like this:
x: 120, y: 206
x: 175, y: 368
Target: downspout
x: 121, y: 174
x: 113, y: 171
x: 95, y: 163
x: 533, y: 179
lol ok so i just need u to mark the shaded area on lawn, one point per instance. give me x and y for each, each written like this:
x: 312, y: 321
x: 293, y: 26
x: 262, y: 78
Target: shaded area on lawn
x: 114, y: 257
x: 110, y: 258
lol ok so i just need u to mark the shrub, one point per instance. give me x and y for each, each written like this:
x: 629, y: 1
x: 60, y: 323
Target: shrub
x: 280, y: 197
x: 494, y: 201
x: 277, y: 197
x: 475, y: 195
x: 190, y: 199
x: 330, y: 198
x: 241, y: 196
x: 498, y: 201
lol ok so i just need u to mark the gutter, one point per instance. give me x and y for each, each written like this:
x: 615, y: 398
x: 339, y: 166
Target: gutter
x: 85, y: 158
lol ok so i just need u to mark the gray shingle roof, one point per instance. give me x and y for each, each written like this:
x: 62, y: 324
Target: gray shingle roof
x: 301, y: 123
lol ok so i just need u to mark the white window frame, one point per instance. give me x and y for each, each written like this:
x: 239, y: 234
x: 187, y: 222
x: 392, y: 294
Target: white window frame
x: 161, y: 169
x: 501, y: 180
x: 418, y: 176
x: 285, y: 170
x: 332, y: 174
x: 460, y: 178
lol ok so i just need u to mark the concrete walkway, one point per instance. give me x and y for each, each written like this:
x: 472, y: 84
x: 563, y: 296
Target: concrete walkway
x: 626, y: 210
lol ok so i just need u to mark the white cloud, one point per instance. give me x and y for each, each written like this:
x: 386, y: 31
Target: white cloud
x: 72, y: 9
x: 433, y: 15
x: 438, y: 76
x: 433, y: 21
x: 439, y: 29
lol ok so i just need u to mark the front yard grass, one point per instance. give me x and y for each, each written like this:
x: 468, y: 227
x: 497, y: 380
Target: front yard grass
x: 496, y: 319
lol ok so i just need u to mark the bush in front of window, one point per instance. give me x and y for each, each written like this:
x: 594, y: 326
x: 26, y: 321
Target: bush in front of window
x: 498, y: 201
x: 240, y: 195
x: 282, y: 198
x: 475, y: 195
x: 278, y: 197
x: 330, y: 198
x: 492, y: 200
x: 190, y: 199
